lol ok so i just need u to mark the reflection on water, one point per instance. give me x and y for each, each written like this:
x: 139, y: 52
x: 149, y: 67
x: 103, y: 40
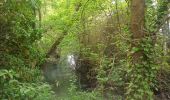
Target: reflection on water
x: 71, y: 62
x: 60, y: 72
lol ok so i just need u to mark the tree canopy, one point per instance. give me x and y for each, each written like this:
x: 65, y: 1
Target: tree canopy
x: 84, y: 49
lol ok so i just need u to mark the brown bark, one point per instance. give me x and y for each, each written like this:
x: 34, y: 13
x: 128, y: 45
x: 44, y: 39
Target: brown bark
x: 137, y: 26
x: 54, y: 46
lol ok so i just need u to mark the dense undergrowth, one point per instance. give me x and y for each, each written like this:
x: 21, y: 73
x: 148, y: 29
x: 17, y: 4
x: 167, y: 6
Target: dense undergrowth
x: 98, y: 34
x: 20, y: 78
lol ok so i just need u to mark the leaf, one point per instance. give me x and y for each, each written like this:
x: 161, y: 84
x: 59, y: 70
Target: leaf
x: 135, y: 49
x: 2, y: 73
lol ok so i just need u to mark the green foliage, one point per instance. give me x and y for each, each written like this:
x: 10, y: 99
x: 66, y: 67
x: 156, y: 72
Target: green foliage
x: 70, y: 44
x: 12, y: 88
x: 18, y: 25
x: 97, y: 31
x: 156, y: 13
x: 143, y: 74
x: 22, y: 82
x: 74, y: 94
x: 84, y: 22
x: 20, y: 78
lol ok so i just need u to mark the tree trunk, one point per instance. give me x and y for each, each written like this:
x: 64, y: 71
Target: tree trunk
x: 137, y: 26
x: 136, y: 74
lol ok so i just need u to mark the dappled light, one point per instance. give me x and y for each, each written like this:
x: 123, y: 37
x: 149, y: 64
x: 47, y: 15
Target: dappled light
x: 84, y: 50
x: 71, y: 61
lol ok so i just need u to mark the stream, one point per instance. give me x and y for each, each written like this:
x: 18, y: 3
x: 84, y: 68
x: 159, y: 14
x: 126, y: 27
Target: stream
x: 60, y: 73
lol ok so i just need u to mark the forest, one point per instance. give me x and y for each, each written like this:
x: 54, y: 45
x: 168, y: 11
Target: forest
x: 84, y: 49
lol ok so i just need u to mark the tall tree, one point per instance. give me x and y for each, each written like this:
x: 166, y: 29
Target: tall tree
x: 137, y: 26
x: 136, y: 88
